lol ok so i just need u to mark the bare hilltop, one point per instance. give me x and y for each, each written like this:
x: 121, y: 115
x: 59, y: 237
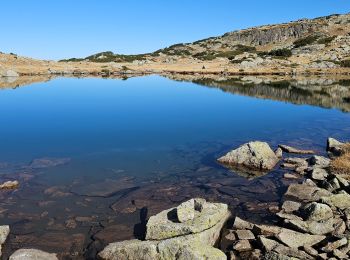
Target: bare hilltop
x: 306, y: 46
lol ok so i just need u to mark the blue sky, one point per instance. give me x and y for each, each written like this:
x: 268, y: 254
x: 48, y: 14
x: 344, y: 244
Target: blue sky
x: 77, y: 28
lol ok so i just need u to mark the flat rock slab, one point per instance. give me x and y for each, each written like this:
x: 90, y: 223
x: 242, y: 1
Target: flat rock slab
x: 295, y: 239
x: 289, y: 149
x: 341, y: 201
x: 32, y: 254
x: 304, y: 192
x: 104, y: 189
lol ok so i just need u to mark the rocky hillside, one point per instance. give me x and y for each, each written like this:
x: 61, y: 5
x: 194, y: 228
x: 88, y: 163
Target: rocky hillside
x: 307, y: 46
x: 310, y: 39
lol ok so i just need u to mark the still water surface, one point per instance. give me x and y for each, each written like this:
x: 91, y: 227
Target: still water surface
x: 142, y: 143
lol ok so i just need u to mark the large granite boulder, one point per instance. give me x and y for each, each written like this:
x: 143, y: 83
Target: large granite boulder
x: 171, y: 239
x: 4, y: 232
x: 254, y: 155
x: 167, y: 224
x: 32, y: 254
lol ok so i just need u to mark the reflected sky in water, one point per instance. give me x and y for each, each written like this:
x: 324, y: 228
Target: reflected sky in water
x: 77, y: 117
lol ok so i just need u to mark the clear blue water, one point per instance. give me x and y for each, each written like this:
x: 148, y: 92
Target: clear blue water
x: 77, y: 117
x: 163, y: 136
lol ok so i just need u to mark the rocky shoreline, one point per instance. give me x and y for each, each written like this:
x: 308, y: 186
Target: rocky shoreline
x: 312, y: 221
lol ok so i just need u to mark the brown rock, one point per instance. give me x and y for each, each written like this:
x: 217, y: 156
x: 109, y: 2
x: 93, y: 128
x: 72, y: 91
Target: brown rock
x: 242, y: 246
x: 242, y: 224
x: 245, y: 235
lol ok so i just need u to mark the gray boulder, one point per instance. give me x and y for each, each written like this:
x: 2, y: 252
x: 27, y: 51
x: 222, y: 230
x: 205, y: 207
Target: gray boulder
x: 171, y: 239
x: 317, y: 211
x: 165, y: 224
x: 32, y: 254
x: 334, y: 147
x: 254, y: 155
x: 4, y: 232
x: 341, y: 200
x: 319, y: 161
x: 305, y: 192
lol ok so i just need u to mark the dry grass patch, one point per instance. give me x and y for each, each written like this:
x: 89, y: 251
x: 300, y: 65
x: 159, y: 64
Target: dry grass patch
x: 341, y: 164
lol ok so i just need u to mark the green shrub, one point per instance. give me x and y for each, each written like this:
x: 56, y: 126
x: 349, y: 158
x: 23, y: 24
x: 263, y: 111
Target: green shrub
x: 345, y: 63
x: 305, y: 41
x: 326, y: 40
x: 281, y: 53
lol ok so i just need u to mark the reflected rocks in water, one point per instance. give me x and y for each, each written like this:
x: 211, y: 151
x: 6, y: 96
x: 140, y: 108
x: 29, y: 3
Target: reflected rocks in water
x: 315, y: 91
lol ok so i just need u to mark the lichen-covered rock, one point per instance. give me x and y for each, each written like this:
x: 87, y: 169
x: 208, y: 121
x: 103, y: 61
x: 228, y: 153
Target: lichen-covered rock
x: 186, y: 211
x: 131, y: 249
x: 317, y: 212
x: 304, y: 192
x: 312, y: 227
x: 290, y: 206
x: 165, y: 225
x: 253, y: 155
x: 4, y: 232
x: 341, y: 200
x: 295, y: 239
x: 195, y: 243
x: 32, y: 254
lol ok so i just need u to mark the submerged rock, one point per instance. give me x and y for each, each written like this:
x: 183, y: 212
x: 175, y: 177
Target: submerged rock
x: 48, y: 162
x: 32, y: 254
x: 9, y: 185
x: 253, y: 155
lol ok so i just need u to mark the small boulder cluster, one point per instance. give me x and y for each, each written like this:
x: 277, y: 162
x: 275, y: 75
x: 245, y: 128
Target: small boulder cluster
x: 313, y: 220
x: 188, y: 231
